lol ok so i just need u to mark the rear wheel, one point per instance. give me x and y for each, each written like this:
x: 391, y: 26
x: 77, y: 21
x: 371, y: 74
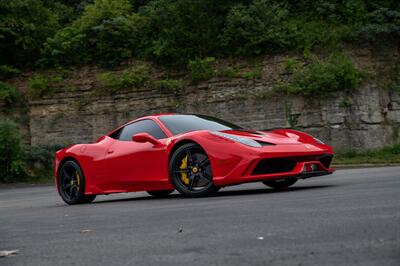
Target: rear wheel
x: 280, y: 184
x: 190, y: 171
x: 71, y: 184
x: 160, y: 193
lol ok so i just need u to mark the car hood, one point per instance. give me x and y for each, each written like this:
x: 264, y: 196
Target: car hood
x: 269, y: 137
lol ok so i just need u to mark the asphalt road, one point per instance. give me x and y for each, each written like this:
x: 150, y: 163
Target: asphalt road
x: 349, y: 218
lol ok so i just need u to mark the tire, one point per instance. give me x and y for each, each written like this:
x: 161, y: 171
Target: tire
x: 280, y: 184
x: 193, y: 178
x: 71, y: 184
x: 160, y: 193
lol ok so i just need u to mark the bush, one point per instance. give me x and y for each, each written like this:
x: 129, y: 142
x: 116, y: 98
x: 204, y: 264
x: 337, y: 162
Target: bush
x: 40, y: 86
x: 107, y: 32
x: 383, y: 23
x: 227, y: 72
x: 201, y: 69
x: 7, y: 71
x: 8, y: 94
x: 290, y: 64
x: 134, y: 78
x: 178, y: 31
x: 172, y: 32
x: 324, y: 77
x: 253, y: 73
x: 39, y: 161
x: 387, y: 154
x: 261, y: 27
x: 11, y: 153
x: 24, y: 25
x: 168, y: 85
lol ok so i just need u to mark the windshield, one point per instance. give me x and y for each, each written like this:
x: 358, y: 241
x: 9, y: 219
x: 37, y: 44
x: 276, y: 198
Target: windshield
x: 178, y: 124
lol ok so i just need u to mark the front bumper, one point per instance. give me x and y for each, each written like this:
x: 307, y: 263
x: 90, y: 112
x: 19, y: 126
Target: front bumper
x: 303, y: 167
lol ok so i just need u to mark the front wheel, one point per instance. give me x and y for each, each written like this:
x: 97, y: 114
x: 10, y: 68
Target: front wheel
x: 280, y: 184
x: 190, y: 171
x: 71, y: 184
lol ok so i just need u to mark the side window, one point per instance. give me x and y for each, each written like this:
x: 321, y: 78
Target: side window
x: 116, y: 134
x: 147, y: 126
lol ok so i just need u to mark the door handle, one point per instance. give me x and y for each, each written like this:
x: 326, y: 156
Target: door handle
x: 110, y: 151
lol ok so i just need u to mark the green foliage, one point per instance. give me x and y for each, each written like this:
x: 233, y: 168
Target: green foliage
x: 227, y: 72
x: 324, y: 77
x: 292, y: 119
x: 172, y: 32
x: 178, y: 31
x: 107, y: 32
x: 40, y: 86
x: 253, y: 73
x: 24, y: 25
x: 382, y: 23
x: 249, y: 72
x: 11, y: 153
x: 9, y: 95
x: 134, y: 78
x: 169, y: 85
x: 38, y: 161
x: 21, y: 163
x: 290, y: 64
x: 201, y: 69
x: 345, y: 102
x: 388, y: 154
x: 261, y: 27
x: 7, y: 71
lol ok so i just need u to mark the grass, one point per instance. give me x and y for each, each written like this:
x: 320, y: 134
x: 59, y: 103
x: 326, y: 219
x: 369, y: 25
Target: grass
x: 168, y: 85
x: 388, y: 154
x: 129, y: 79
x: 253, y: 73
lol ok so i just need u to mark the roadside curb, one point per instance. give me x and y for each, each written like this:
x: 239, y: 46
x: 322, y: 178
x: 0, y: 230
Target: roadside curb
x: 24, y: 185
x: 363, y: 165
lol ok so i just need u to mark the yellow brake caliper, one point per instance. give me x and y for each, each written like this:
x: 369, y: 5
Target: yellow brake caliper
x: 78, y: 179
x: 184, y: 176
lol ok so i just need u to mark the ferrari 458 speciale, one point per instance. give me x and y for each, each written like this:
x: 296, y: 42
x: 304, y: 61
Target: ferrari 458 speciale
x: 194, y: 154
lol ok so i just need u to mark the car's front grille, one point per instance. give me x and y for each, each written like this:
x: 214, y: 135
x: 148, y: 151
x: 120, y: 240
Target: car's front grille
x: 273, y: 166
x: 287, y: 164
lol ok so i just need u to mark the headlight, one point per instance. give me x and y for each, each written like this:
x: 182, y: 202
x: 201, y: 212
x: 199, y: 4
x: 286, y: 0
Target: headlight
x: 245, y: 141
x: 318, y: 140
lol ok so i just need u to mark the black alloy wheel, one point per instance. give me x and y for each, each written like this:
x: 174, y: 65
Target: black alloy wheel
x: 190, y: 171
x: 71, y: 184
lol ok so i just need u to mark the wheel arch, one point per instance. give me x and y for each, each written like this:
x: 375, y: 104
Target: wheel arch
x: 182, y: 142
x: 69, y: 158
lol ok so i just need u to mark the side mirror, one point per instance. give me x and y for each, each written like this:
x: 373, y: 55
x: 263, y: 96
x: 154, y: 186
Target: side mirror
x: 145, y: 137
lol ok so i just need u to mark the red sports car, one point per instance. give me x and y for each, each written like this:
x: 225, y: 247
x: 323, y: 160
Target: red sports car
x: 194, y: 154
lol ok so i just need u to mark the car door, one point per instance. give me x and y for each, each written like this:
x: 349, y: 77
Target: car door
x: 132, y: 165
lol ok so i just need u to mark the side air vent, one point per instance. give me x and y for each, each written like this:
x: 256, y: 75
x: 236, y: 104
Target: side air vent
x: 326, y: 160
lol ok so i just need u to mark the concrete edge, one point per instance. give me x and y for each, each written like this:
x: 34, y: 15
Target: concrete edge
x: 363, y: 165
